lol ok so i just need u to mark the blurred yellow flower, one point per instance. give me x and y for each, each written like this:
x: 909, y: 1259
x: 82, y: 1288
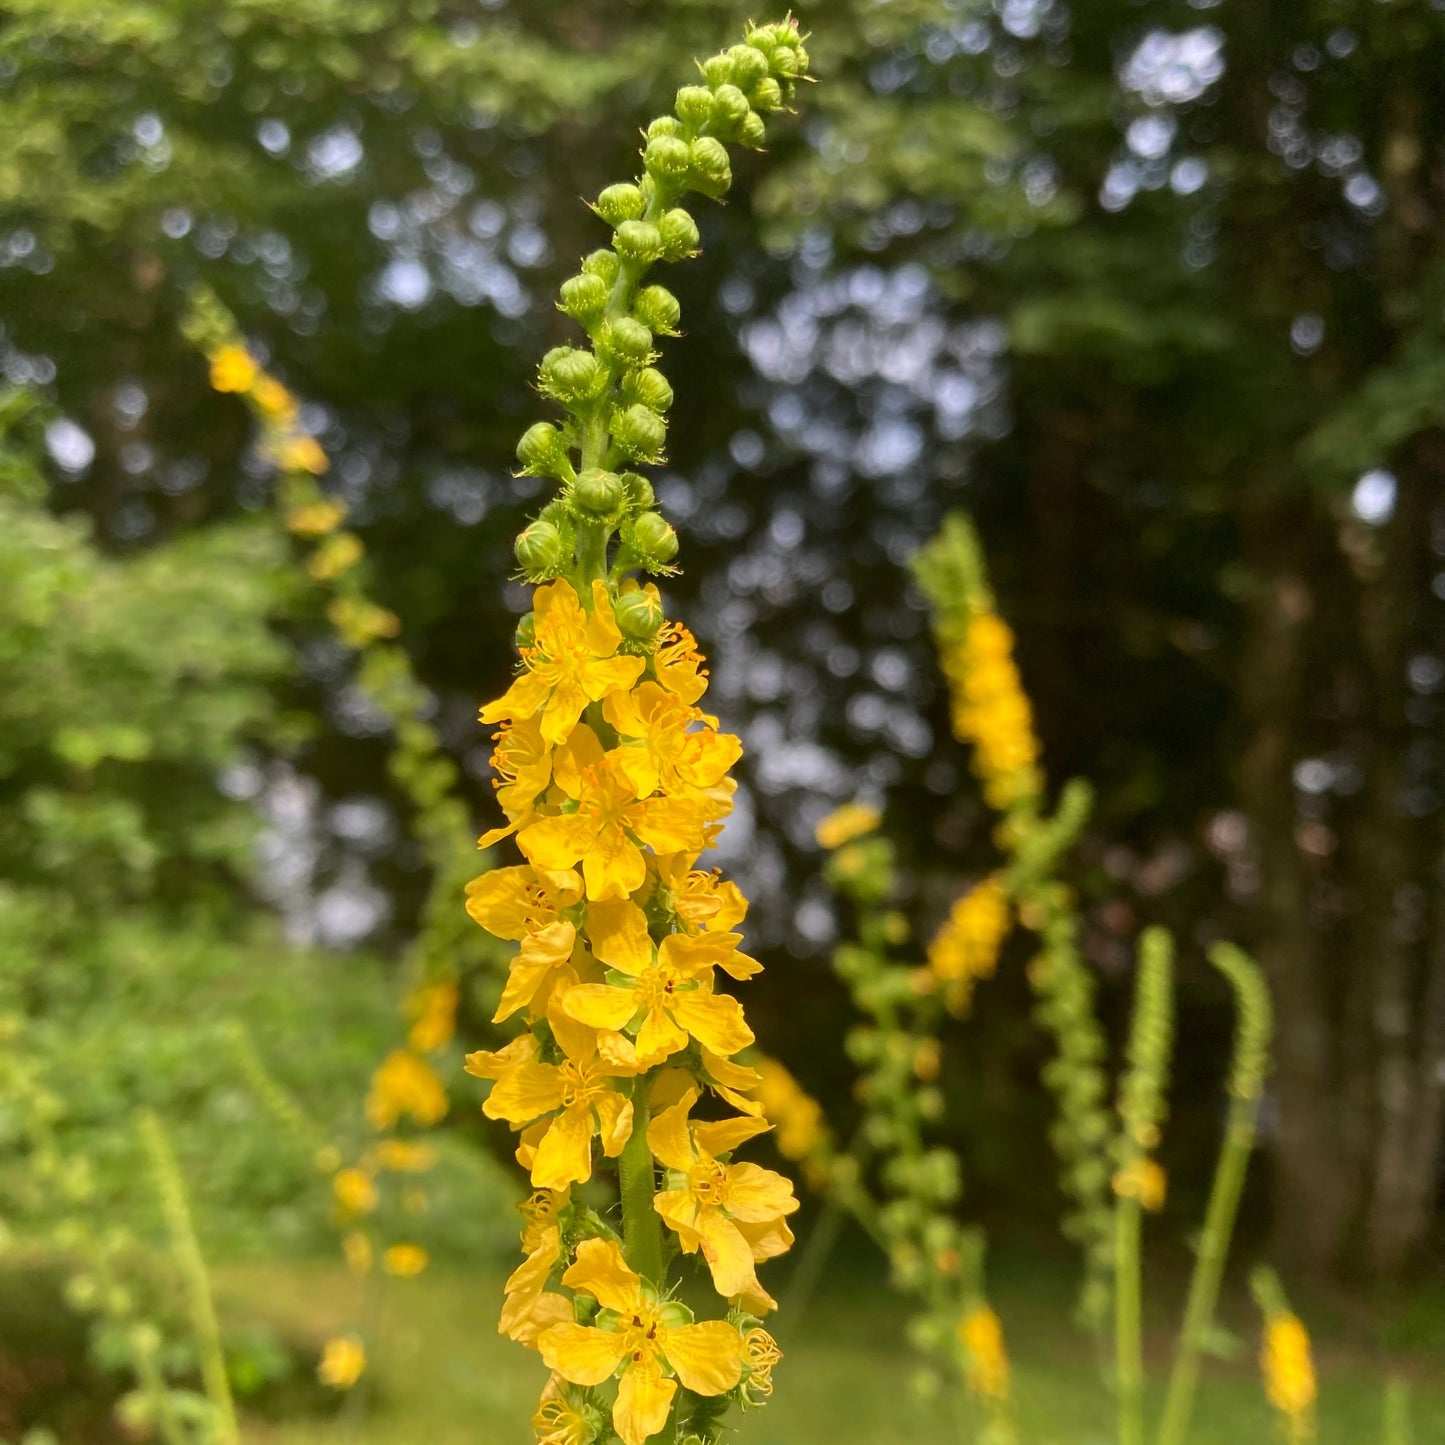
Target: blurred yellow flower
x: 343, y: 1362
x: 966, y: 948
x: 405, y: 1086
x: 233, y: 368
x: 355, y: 1191
x: 1287, y: 1364
x: 401, y: 1156
x: 301, y: 453
x: 404, y: 1260
x: 337, y: 554
x: 315, y: 519
x: 844, y: 824
x: 1144, y: 1180
x: 987, y: 1370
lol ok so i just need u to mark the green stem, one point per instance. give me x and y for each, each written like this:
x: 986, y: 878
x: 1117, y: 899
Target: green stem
x: 1219, y: 1218
x: 1128, y: 1323
x: 591, y: 558
x: 641, y: 1228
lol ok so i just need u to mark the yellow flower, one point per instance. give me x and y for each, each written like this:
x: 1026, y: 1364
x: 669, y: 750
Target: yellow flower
x: 522, y: 762
x: 301, y: 453
x: 530, y: 1307
x: 355, y: 1191
x: 576, y: 1096
x: 233, y: 368
x: 606, y: 833
x: 274, y: 400
x: 987, y: 1373
x: 316, y: 519
x: 558, y: 1421
x: 343, y: 1362
x: 650, y: 1342
x: 724, y: 1210
x: 1287, y: 1364
x: 845, y: 824
x: 1144, y: 1180
x: 529, y: 907
x: 403, y: 1157
x: 663, y: 746
x: 668, y: 986
x: 432, y: 1009
x: 337, y: 554
x: 405, y: 1086
x: 356, y: 1246
x: 967, y: 946
x: 677, y: 664
x: 572, y: 661
x: 797, y: 1117
x: 404, y: 1260
x: 701, y: 900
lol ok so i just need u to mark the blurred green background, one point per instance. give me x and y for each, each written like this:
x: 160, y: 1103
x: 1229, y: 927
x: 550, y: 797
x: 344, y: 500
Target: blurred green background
x: 1155, y: 290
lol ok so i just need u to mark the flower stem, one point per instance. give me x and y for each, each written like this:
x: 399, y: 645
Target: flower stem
x: 1128, y: 1326
x: 641, y: 1228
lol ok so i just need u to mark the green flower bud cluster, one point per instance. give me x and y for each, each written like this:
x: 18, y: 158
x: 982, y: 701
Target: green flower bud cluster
x: 602, y: 523
x: 1142, y: 1106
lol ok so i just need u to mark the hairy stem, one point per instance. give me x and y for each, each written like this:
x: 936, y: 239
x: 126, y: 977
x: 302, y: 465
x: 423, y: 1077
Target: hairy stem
x: 641, y: 1228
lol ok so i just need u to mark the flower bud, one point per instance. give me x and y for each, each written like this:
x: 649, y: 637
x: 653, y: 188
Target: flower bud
x: 625, y: 342
x: 679, y: 235
x: 526, y: 633
x: 622, y: 202
x: 647, y: 386
x: 789, y: 61
x: 666, y: 157
x: 583, y: 297
x: 718, y: 70
x: 639, y: 432
x: 597, y: 491
x: 571, y: 375
x: 543, y: 452
x: 711, y: 171
x: 638, y: 491
x: 767, y: 94
x: 753, y: 132
x: 663, y: 125
x: 639, y: 613
x: 749, y: 66
x: 656, y: 307
x: 729, y: 106
x: 694, y: 105
x: 638, y: 241
x: 652, y: 538
x: 603, y: 263
x: 539, y: 550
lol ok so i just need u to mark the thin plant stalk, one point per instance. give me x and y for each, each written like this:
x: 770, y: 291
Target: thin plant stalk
x: 1128, y: 1322
x: 186, y: 1250
x: 1253, y: 1027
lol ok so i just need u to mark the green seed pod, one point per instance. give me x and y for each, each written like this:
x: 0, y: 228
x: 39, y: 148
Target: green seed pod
x: 625, y: 342
x: 767, y: 94
x: 652, y: 539
x: 718, y: 70
x: 787, y: 62
x: 583, y: 297
x: 597, y: 491
x: 638, y: 241
x: 679, y: 235
x: 526, y: 633
x: 603, y: 263
x: 647, y: 386
x: 753, y: 131
x: 571, y: 376
x: 729, y: 106
x: 543, y: 452
x: 711, y: 171
x: 749, y: 66
x: 657, y: 308
x: 639, y: 433
x: 639, y: 613
x: 539, y: 550
x: 666, y: 157
x: 663, y: 125
x: 622, y: 202
x: 638, y: 491
x: 694, y: 105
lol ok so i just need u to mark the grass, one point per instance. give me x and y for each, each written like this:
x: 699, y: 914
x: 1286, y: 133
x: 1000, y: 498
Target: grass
x: 442, y: 1376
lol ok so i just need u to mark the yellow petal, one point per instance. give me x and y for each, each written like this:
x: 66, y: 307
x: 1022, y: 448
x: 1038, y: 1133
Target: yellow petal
x: 617, y: 932
x: 726, y: 1134
x: 524, y: 1092
x: 758, y: 1195
x: 613, y: 864
x: 679, y: 1210
x: 492, y: 1064
x: 542, y: 952
x: 525, y: 697
x: 565, y: 1154
x: 612, y: 674
x: 565, y: 707
x: 501, y: 902
x: 668, y: 1137
x: 602, y: 1272
x: 581, y: 752
x: 714, y: 1020
x: 669, y: 825
x: 614, y: 1122
x: 581, y: 1354
x: 659, y: 1037
x: 644, y: 1398
x: 603, y: 635
x: 727, y: 1254
x: 600, y: 1005
x: 708, y: 1357
x: 558, y: 842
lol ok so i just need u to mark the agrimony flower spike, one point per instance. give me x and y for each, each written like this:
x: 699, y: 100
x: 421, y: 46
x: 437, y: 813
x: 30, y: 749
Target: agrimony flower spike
x: 613, y: 782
